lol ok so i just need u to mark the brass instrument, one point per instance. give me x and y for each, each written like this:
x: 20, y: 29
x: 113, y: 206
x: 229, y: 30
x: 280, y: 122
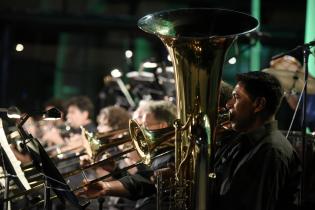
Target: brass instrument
x: 148, y: 150
x: 100, y: 142
x: 197, y: 41
x: 147, y: 141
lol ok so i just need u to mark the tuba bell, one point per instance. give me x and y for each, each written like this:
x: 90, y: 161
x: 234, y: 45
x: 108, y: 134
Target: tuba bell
x: 197, y: 40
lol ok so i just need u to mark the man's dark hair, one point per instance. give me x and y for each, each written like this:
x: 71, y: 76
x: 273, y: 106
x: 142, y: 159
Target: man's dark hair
x: 225, y: 93
x: 162, y: 110
x: 83, y: 103
x: 261, y: 84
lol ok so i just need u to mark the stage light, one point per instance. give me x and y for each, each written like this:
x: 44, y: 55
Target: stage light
x: 149, y: 65
x: 232, y: 60
x: 52, y: 114
x: 128, y: 53
x: 19, y: 47
x: 12, y: 112
x: 116, y: 73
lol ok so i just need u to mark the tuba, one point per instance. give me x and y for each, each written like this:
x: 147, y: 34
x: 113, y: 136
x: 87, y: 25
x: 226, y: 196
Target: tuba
x: 197, y: 40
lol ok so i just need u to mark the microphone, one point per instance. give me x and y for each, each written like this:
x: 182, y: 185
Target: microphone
x: 258, y: 35
x: 299, y: 47
x: 311, y: 43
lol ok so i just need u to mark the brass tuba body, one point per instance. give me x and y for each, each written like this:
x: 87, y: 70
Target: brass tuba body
x: 197, y: 40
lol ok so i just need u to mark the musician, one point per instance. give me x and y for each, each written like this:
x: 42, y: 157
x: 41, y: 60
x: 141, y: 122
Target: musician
x: 287, y: 107
x: 80, y: 112
x: 152, y: 115
x: 113, y: 118
x: 260, y: 169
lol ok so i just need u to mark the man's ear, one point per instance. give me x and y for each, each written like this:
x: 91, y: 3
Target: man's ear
x: 260, y: 104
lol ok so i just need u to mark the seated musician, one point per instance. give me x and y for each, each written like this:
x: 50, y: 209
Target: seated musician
x: 80, y: 110
x: 152, y: 115
x: 110, y: 119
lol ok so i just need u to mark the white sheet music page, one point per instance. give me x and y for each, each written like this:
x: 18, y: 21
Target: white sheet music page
x: 15, y: 163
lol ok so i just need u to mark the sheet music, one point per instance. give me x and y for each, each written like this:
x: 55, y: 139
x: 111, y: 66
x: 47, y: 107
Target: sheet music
x: 15, y: 163
x: 2, y: 180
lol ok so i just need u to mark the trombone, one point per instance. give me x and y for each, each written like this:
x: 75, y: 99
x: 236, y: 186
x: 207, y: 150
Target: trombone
x: 144, y: 143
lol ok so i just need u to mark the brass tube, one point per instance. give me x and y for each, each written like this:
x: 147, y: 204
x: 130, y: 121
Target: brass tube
x: 71, y: 173
x: 106, y: 135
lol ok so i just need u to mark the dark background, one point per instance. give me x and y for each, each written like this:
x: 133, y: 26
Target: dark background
x: 70, y: 45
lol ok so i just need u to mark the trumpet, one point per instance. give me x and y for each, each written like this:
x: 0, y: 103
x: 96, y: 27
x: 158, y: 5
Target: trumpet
x: 100, y: 142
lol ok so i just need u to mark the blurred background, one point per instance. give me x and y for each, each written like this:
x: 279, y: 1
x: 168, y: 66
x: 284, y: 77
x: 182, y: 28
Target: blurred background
x: 60, y: 48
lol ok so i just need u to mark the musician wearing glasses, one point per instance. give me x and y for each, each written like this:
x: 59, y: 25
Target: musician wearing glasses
x: 153, y: 115
x: 259, y: 169
x: 110, y: 119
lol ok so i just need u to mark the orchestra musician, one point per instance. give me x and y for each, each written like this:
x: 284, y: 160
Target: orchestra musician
x: 259, y: 168
x: 109, y: 119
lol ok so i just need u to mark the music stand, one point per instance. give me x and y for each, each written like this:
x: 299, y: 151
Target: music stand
x: 11, y: 167
x: 53, y: 179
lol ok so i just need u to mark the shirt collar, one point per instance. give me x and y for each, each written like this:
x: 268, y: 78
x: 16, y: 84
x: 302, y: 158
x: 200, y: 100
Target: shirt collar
x: 256, y: 135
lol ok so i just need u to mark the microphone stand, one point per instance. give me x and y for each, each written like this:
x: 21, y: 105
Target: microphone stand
x: 306, y: 53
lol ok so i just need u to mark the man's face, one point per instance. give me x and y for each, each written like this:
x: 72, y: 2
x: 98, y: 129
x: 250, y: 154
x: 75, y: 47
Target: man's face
x: 76, y: 117
x: 148, y: 120
x: 242, y: 109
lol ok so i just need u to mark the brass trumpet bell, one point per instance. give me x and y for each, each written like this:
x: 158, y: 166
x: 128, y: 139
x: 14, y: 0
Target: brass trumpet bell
x: 147, y: 141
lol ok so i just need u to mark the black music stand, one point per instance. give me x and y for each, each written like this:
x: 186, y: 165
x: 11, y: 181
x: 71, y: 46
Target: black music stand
x: 9, y: 174
x: 53, y: 179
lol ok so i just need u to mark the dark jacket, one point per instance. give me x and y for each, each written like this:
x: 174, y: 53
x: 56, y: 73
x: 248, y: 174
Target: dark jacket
x: 259, y: 170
